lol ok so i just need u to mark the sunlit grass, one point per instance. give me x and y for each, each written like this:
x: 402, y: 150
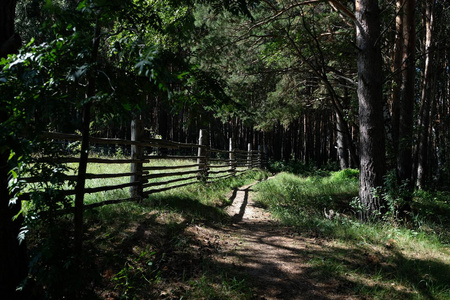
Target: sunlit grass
x: 161, y: 182
x: 381, y: 260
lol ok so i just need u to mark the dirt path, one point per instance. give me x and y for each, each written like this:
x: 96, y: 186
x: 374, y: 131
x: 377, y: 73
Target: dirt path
x: 276, y: 261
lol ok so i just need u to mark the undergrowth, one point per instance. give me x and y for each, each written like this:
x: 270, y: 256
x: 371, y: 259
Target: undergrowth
x: 389, y: 259
x: 135, y: 250
x: 145, y: 250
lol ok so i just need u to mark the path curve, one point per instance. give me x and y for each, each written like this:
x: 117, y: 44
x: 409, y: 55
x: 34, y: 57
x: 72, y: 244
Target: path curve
x: 276, y: 260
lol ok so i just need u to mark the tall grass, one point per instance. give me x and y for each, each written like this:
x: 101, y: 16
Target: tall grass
x: 383, y: 260
x: 304, y: 200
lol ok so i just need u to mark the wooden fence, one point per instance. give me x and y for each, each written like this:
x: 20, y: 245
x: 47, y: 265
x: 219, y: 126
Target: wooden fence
x: 202, y: 164
x: 206, y: 165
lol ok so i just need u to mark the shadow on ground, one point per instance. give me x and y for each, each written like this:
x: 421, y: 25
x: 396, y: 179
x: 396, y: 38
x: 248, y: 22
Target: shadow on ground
x: 183, y: 248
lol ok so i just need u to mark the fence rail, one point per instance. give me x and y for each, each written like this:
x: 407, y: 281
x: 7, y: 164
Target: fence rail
x: 207, y: 166
x: 202, y: 164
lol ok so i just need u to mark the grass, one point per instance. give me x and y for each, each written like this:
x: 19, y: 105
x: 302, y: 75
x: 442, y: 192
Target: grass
x: 147, y: 250
x: 136, y: 250
x: 296, y: 200
x: 382, y: 260
x: 125, y: 168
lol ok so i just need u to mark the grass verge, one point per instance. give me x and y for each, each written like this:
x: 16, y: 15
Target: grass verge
x: 385, y: 260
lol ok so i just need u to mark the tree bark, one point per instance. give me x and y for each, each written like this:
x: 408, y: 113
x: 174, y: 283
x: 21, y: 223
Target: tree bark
x: 424, y: 115
x: 372, y: 142
x: 342, y: 145
x: 406, y: 105
x: 396, y: 81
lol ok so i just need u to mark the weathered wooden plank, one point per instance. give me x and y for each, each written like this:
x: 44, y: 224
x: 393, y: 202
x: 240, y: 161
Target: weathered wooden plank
x: 219, y: 160
x: 219, y: 172
x: 91, y: 160
x: 219, y: 151
x: 170, y: 144
x: 157, y: 143
x: 171, y: 157
x: 218, y: 166
x: 203, y: 154
x: 159, y: 175
x: 168, y: 188
x: 159, y: 183
x: 137, y: 152
x: 213, y: 179
x: 88, y: 176
x: 170, y: 167
x: 102, y: 188
x: 107, y: 202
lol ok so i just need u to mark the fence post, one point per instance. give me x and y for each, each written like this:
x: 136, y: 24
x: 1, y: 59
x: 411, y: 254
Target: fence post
x: 249, y: 156
x: 259, y: 157
x: 137, y: 152
x: 265, y: 157
x: 81, y: 178
x: 232, y: 158
x: 202, y: 159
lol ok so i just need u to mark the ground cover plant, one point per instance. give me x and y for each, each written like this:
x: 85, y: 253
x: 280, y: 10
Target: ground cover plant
x: 152, y: 249
x: 136, y: 250
x: 391, y: 259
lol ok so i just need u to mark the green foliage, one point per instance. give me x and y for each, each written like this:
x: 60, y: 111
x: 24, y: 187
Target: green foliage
x: 279, y: 65
x: 302, y: 201
x: 431, y: 213
x: 219, y: 288
x: 43, y: 89
x: 300, y: 168
x: 45, y: 85
x: 395, y: 195
x: 56, y: 270
x: 33, y: 103
x: 376, y: 256
x: 292, y: 166
x: 138, y: 274
x: 345, y: 175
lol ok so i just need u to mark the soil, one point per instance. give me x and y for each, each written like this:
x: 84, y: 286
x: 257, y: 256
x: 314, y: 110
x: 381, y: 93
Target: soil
x: 274, y: 259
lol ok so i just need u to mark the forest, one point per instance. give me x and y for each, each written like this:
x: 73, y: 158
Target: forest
x: 308, y: 87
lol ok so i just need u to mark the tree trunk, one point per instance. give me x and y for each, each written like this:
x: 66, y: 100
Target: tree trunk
x: 287, y: 145
x: 396, y: 81
x: 309, y: 130
x: 277, y: 139
x: 317, y: 139
x: 372, y: 143
x: 424, y: 116
x: 342, y: 145
x: 406, y: 105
